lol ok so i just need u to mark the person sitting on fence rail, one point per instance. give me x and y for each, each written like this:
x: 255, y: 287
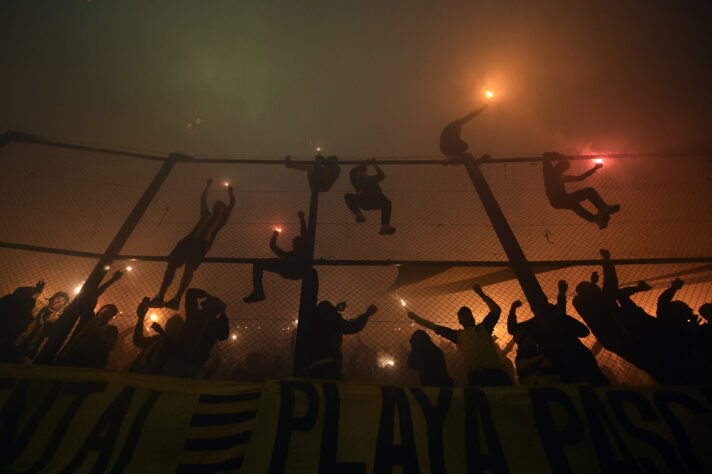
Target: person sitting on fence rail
x: 452, y: 145
x: 321, y: 175
x: 369, y: 195
x: 554, y: 183
x: 191, y: 250
x: 475, y: 343
x: 429, y: 360
x: 325, y: 338
x: 156, y: 349
x: 291, y: 265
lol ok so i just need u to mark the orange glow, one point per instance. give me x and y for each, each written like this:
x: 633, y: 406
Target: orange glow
x: 489, y: 94
x: 598, y: 161
x: 128, y: 269
x: 277, y: 229
x: 153, y: 317
x: 402, y: 302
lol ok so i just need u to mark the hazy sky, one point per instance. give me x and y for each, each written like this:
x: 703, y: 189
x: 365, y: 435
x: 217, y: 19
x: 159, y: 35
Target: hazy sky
x: 357, y: 78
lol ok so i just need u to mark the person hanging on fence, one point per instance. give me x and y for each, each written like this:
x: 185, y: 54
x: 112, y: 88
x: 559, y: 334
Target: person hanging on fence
x: 554, y: 184
x: 325, y: 337
x: 452, y: 145
x: 191, y: 250
x: 321, y: 175
x: 369, y: 195
x: 158, y: 348
x: 475, y: 343
x: 291, y: 265
x: 429, y: 360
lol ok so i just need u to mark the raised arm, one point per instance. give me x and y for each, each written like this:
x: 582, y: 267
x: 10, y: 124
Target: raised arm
x: 666, y: 296
x: 290, y: 164
x: 231, y: 204
x: 561, y: 296
x: 114, y: 278
x: 352, y: 326
x: 191, y: 300
x: 610, y: 277
x: 380, y: 176
x: 139, y: 339
x: 273, y: 245
x: 583, y: 176
x: 492, y: 317
x: 472, y: 115
x: 204, y: 198
x: 302, y: 225
x: 512, y: 317
x: 446, y: 332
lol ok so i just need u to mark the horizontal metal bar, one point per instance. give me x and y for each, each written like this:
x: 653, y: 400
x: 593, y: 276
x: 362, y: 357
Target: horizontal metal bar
x: 372, y: 263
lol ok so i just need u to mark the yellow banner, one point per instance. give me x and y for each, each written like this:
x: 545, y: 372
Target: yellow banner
x: 322, y: 427
x: 75, y: 420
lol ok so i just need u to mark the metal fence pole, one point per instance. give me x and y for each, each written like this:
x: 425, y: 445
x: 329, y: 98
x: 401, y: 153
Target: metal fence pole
x: 309, y: 293
x: 112, y: 251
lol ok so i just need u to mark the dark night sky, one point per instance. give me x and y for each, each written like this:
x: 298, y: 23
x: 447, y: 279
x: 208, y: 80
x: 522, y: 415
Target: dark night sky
x: 364, y: 78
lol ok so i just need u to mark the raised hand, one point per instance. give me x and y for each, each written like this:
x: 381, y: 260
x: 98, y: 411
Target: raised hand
x: 477, y: 289
x: 677, y: 283
x: 142, y: 308
x: 605, y: 254
x: 563, y: 286
x: 371, y: 310
x: 300, y: 214
x: 117, y: 274
x: 516, y: 304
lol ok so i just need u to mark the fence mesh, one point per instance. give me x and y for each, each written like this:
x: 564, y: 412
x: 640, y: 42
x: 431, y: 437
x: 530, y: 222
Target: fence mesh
x: 73, y: 202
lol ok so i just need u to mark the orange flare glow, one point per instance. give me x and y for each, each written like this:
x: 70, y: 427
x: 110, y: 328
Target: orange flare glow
x: 489, y: 94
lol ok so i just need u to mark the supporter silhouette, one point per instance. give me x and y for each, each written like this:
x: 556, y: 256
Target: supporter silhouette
x: 22, y: 319
x: 554, y: 183
x: 369, y: 195
x: 533, y: 367
x: 325, y: 338
x: 475, y: 343
x: 322, y: 174
x: 257, y: 368
x: 429, y: 360
x: 191, y: 250
x: 92, y: 342
x: 205, y: 324
x: 452, y: 145
x: 44, y: 315
x: 706, y: 312
x: 291, y: 265
x: 156, y: 349
x: 79, y: 311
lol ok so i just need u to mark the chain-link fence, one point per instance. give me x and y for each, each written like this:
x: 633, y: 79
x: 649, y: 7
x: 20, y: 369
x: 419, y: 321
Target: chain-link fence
x: 62, y: 206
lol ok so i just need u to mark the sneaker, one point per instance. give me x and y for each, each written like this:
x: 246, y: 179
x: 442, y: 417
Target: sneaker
x: 360, y: 218
x: 387, y: 230
x: 613, y: 209
x: 156, y: 303
x: 173, y: 304
x: 254, y: 298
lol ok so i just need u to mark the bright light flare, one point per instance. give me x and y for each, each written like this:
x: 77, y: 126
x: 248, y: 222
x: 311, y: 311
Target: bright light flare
x: 598, y: 161
x: 489, y: 94
x: 402, y: 302
x: 277, y: 229
x: 318, y: 148
x: 234, y: 337
x: 107, y: 267
x: 78, y: 288
x: 385, y: 360
x: 153, y: 318
x: 226, y: 184
x: 129, y: 268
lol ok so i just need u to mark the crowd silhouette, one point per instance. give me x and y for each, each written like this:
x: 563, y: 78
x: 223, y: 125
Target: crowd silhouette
x: 672, y: 345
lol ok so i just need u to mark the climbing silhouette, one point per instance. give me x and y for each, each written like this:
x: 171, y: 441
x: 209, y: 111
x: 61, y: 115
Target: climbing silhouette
x: 191, y: 250
x: 321, y: 175
x: 554, y: 183
x: 291, y: 265
x: 369, y: 195
x: 452, y: 145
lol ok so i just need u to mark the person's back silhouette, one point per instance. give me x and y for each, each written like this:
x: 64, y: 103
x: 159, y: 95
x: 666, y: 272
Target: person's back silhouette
x: 369, y: 195
x: 451, y: 143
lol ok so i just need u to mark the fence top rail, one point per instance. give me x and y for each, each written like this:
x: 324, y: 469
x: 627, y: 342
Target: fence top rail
x: 371, y: 263
x: 21, y: 137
